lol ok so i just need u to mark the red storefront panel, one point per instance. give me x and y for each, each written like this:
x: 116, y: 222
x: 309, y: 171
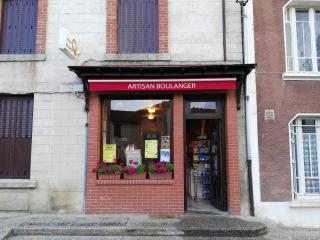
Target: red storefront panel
x: 162, y: 85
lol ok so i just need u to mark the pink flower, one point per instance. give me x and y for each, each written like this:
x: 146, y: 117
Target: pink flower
x: 101, y: 164
x: 158, y: 164
x: 106, y: 169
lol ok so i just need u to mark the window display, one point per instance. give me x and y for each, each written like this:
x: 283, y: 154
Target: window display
x: 137, y: 131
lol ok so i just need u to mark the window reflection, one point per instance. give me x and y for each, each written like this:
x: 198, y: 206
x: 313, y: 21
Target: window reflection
x: 130, y: 122
x: 203, y: 107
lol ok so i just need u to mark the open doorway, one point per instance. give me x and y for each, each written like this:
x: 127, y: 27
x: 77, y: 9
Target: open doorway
x: 206, y: 188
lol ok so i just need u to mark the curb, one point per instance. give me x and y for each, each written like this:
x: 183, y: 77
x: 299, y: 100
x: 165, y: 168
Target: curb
x: 136, y: 232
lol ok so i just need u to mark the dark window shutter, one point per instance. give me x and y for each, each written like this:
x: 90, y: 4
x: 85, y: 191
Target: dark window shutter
x: 138, y: 26
x: 16, y: 113
x: 19, y: 26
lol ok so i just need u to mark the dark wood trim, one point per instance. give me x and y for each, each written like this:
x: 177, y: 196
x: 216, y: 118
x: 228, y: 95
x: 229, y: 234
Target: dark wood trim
x: 220, y: 120
x: 185, y: 157
x: 112, y: 71
x: 224, y: 155
x: 101, y: 129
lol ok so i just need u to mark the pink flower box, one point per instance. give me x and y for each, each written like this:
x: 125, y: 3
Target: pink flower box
x: 160, y: 176
x: 134, y: 176
x: 109, y: 177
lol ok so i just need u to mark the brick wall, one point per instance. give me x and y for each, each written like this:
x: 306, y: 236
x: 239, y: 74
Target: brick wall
x: 42, y: 26
x: 163, y: 26
x: 112, y: 26
x: 157, y: 198
x: 152, y: 197
x: 287, y: 98
x: 233, y: 177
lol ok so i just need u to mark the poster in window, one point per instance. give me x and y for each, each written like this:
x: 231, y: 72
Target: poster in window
x: 151, y: 148
x: 165, y: 142
x: 165, y: 155
x: 133, y: 156
x: 109, y: 152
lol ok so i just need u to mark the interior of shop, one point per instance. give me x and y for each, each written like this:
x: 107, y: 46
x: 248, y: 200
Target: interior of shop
x: 202, y: 164
x: 138, y: 129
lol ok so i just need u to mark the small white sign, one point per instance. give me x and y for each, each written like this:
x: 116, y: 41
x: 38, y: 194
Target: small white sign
x: 269, y: 114
x: 133, y: 156
x: 68, y: 43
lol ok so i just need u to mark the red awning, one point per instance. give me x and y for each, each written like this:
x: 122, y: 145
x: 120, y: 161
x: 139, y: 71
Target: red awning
x: 100, y: 85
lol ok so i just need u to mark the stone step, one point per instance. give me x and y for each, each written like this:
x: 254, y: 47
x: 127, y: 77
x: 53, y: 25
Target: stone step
x: 188, y: 225
x: 118, y: 231
x: 126, y: 238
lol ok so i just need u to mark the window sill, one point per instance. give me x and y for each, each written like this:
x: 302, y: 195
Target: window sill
x: 138, y: 57
x: 303, y: 76
x: 306, y: 202
x: 22, y: 57
x: 135, y: 182
x: 17, y: 184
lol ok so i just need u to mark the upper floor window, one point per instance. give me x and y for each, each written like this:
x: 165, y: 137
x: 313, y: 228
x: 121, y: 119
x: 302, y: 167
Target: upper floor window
x: 19, y: 26
x: 138, y: 26
x: 302, y: 30
x: 305, y: 147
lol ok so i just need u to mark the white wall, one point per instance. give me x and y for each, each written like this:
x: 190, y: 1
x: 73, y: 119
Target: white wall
x: 58, y: 143
x: 195, y: 30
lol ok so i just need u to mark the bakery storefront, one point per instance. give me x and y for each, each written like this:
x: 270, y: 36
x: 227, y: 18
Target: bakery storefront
x: 162, y: 139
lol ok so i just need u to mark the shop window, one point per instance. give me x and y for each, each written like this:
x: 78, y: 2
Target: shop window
x: 138, y: 26
x: 305, y: 156
x: 137, y: 130
x: 19, y: 26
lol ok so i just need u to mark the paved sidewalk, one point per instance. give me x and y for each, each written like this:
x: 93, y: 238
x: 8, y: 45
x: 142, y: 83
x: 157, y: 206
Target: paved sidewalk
x: 125, y: 227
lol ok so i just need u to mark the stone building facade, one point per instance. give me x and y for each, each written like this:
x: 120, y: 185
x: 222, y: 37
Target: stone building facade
x: 63, y: 151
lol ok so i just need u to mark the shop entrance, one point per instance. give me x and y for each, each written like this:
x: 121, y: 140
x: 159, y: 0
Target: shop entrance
x: 205, y: 168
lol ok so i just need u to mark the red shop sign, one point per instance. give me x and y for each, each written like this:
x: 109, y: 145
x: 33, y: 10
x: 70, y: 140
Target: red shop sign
x: 162, y: 85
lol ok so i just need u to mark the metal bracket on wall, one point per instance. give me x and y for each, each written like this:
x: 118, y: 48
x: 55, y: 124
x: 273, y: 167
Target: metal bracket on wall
x: 86, y: 93
x: 240, y: 82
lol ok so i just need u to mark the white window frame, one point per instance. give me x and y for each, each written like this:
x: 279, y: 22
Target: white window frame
x: 302, y: 195
x: 296, y: 74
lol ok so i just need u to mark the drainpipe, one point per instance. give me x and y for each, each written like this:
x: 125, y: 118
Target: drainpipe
x: 224, y: 31
x: 246, y: 98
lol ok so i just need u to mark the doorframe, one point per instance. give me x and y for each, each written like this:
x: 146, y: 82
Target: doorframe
x: 222, y: 117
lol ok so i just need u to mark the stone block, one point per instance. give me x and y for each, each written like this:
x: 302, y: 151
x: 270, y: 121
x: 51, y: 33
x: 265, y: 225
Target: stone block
x: 13, y: 201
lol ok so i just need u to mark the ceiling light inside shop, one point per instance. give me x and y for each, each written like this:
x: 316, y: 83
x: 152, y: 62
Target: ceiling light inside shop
x: 151, y: 110
x: 151, y: 116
